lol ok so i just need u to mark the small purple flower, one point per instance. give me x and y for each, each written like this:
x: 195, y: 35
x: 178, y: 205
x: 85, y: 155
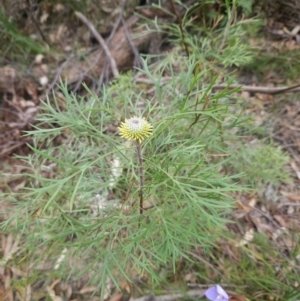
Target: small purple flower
x: 216, y: 293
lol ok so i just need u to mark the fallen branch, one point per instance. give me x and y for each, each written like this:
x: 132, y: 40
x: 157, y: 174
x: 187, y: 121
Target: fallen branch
x: 124, y: 46
x: 119, y: 48
x: 252, y: 89
x: 101, y: 42
x: 264, y: 90
x: 199, y: 293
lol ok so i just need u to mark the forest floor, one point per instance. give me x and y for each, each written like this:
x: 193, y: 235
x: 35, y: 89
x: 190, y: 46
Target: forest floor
x: 262, y: 248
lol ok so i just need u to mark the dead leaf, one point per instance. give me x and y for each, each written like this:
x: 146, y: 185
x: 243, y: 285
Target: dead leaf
x: 235, y: 297
x: 116, y: 297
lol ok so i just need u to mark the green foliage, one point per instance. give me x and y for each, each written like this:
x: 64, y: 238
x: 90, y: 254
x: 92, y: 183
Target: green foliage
x: 261, y: 164
x: 13, y: 41
x: 245, y: 5
x: 221, y: 42
x: 187, y: 196
x: 285, y: 63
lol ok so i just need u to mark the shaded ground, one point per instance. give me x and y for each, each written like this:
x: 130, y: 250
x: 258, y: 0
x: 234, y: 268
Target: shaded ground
x: 272, y: 211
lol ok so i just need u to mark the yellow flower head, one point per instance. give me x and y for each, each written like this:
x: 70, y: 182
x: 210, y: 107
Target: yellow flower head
x: 135, y: 128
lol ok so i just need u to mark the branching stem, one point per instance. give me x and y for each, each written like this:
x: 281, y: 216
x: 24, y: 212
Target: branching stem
x: 141, y: 174
x: 179, y: 20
